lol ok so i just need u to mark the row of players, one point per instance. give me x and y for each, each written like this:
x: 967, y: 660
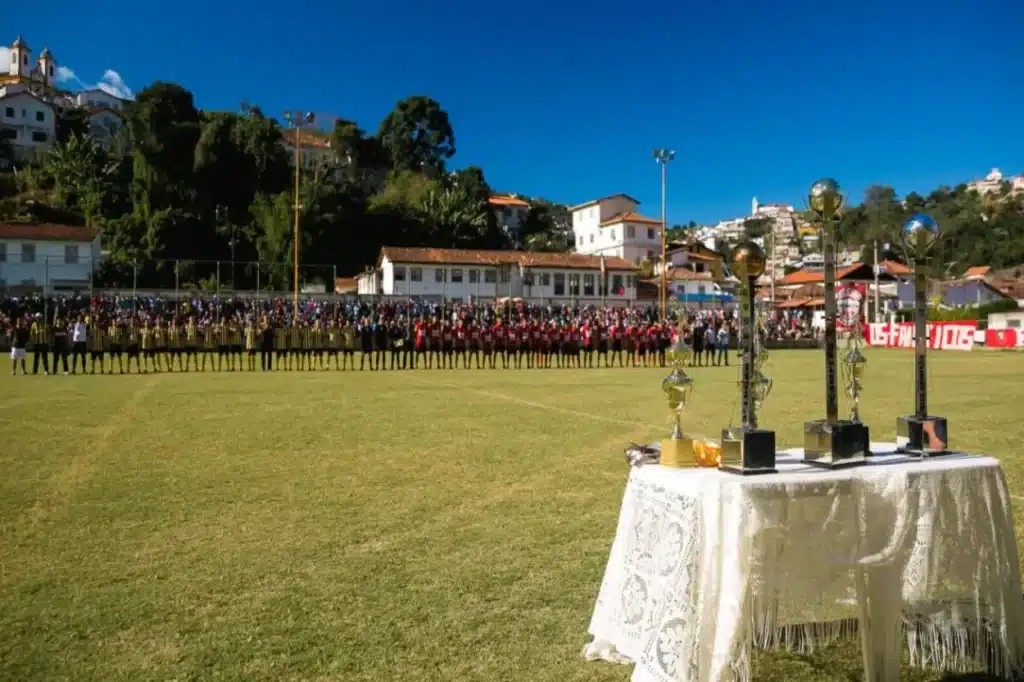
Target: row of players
x: 535, y: 345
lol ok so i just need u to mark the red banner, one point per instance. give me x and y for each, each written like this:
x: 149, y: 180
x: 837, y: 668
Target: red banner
x: 1004, y: 338
x: 941, y: 335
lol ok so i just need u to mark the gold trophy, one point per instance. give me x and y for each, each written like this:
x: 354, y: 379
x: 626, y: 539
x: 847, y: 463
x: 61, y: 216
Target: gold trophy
x: 832, y: 442
x: 677, y: 450
x: 747, y: 449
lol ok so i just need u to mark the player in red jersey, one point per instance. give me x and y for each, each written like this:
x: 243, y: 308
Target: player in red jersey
x: 602, y: 343
x: 461, y: 341
x: 615, y: 342
x: 474, y: 343
x: 524, y: 345
x: 500, y: 345
x: 487, y: 338
x: 511, y: 344
x: 587, y: 331
x: 434, y: 339
x: 419, y: 331
x: 537, y: 345
x: 447, y: 346
x: 547, y: 345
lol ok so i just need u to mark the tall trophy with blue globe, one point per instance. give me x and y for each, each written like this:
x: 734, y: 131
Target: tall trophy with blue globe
x: 920, y: 434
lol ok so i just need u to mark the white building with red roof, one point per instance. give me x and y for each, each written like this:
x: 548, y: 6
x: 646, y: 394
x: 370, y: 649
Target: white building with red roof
x: 510, y: 211
x: 610, y: 226
x: 50, y: 257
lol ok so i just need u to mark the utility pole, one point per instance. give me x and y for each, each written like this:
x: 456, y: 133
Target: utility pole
x: 663, y: 157
x: 877, y: 269
x: 297, y: 120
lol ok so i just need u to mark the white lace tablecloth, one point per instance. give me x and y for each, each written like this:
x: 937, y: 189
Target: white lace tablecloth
x: 707, y: 564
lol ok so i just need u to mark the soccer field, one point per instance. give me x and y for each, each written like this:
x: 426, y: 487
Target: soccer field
x: 420, y: 525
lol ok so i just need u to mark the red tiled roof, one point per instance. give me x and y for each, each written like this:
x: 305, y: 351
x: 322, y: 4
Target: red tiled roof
x: 977, y: 271
x: 629, y: 217
x: 47, y: 232
x: 507, y: 201
x: 814, y: 276
x: 528, y: 259
x: 895, y: 268
x: 687, y: 275
x: 307, y: 138
x: 344, y: 285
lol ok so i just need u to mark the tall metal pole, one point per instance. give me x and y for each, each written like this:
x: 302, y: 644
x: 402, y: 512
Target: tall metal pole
x: 877, y: 297
x: 663, y: 157
x: 295, y: 237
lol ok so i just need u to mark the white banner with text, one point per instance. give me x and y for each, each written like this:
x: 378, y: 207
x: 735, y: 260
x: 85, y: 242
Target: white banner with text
x: 941, y: 335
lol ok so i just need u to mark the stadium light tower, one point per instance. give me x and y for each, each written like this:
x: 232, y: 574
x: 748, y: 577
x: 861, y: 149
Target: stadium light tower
x: 297, y: 120
x: 663, y: 157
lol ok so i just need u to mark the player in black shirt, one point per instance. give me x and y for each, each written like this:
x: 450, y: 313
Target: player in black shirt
x: 365, y: 342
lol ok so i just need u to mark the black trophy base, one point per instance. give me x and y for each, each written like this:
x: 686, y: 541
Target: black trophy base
x: 922, y: 436
x: 836, y: 445
x: 748, y: 452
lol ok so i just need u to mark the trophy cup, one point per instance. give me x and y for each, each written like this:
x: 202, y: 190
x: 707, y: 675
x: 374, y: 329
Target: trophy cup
x: 831, y: 442
x: 920, y: 434
x: 746, y: 449
x: 677, y: 450
x: 853, y: 361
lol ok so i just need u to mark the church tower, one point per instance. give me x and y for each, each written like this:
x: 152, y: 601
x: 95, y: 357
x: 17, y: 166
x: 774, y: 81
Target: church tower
x: 754, y: 206
x: 20, y: 59
x: 47, y: 68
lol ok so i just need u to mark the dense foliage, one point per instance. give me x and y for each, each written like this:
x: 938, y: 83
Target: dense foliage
x: 193, y: 187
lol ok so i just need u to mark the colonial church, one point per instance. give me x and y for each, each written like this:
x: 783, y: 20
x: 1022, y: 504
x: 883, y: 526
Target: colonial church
x: 39, y: 73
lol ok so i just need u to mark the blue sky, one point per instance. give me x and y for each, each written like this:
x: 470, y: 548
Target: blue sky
x: 567, y: 99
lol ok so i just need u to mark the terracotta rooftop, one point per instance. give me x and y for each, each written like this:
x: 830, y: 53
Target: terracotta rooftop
x: 344, y: 285
x: 815, y: 276
x: 307, y: 138
x: 895, y: 268
x: 504, y: 200
x: 629, y: 217
x: 977, y: 271
x: 528, y: 259
x: 47, y: 232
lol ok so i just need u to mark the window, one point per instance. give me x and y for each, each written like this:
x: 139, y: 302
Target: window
x: 630, y: 232
x: 474, y: 276
x: 700, y: 288
x: 613, y: 235
x: 506, y: 274
x: 71, y: 254
x: 591, y: 237
x: 650, y: 233
x: 40, y: 116
x: 545, y: 279
x: 457, y: 275
x: 416, y: 274
x: 24, y: 113
x: 39, y: 137
x: 574, y: 284
x: 9, y: 133
x: 617, y: 288
x: 559, y: 284
x: 9, y: 112
x: 28, y: 253
x: 490, y: 276
x: 1010, y: 324
x: 579, y: 241
x: 399, y: 273
x: 3, y: 253
x: 51, y: 72
x: 650, y: 256
x: 588, y: 285
x: 438, y: 274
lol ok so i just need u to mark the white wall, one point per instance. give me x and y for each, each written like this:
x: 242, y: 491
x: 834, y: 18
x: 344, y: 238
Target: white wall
x: 464, y: 281
x: 97, y: 99
x: 586, y: 225
x: 50, y: 266
x: 1006, y: 320
x: 33, y: 121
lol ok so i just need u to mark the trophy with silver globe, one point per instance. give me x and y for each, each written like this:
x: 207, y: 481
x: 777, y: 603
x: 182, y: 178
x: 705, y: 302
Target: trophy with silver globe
x: 832, y: 442
x: 920, y: 434
x: 747, y: 449
x: 677, y: 450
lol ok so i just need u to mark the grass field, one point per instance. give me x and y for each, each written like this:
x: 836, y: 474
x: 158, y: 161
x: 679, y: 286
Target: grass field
x: 441, y: 525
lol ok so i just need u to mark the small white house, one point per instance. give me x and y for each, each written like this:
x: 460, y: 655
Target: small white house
x: 611, y: 227
x: 510, y: 212
x: 95, y: 98
x: 52, y: 257
x: 464, y: 274
x: 104, y: 125
x: 27, y: 122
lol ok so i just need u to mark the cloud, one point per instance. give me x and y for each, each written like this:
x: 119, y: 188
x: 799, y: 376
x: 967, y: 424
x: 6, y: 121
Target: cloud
x: 111, y: 83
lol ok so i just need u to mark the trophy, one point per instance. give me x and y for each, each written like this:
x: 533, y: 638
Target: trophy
x: 832, y: 442
x: 920, y: 434
x: 849, y: 303
x: 746, y: 449
x: 677, y: 450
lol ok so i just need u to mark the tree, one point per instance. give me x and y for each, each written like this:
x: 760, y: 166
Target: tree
x: 82, y: 175
x: 756, y: 228
x: 455, y: 217
x: 71, y: 121
x: 417, y: 135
